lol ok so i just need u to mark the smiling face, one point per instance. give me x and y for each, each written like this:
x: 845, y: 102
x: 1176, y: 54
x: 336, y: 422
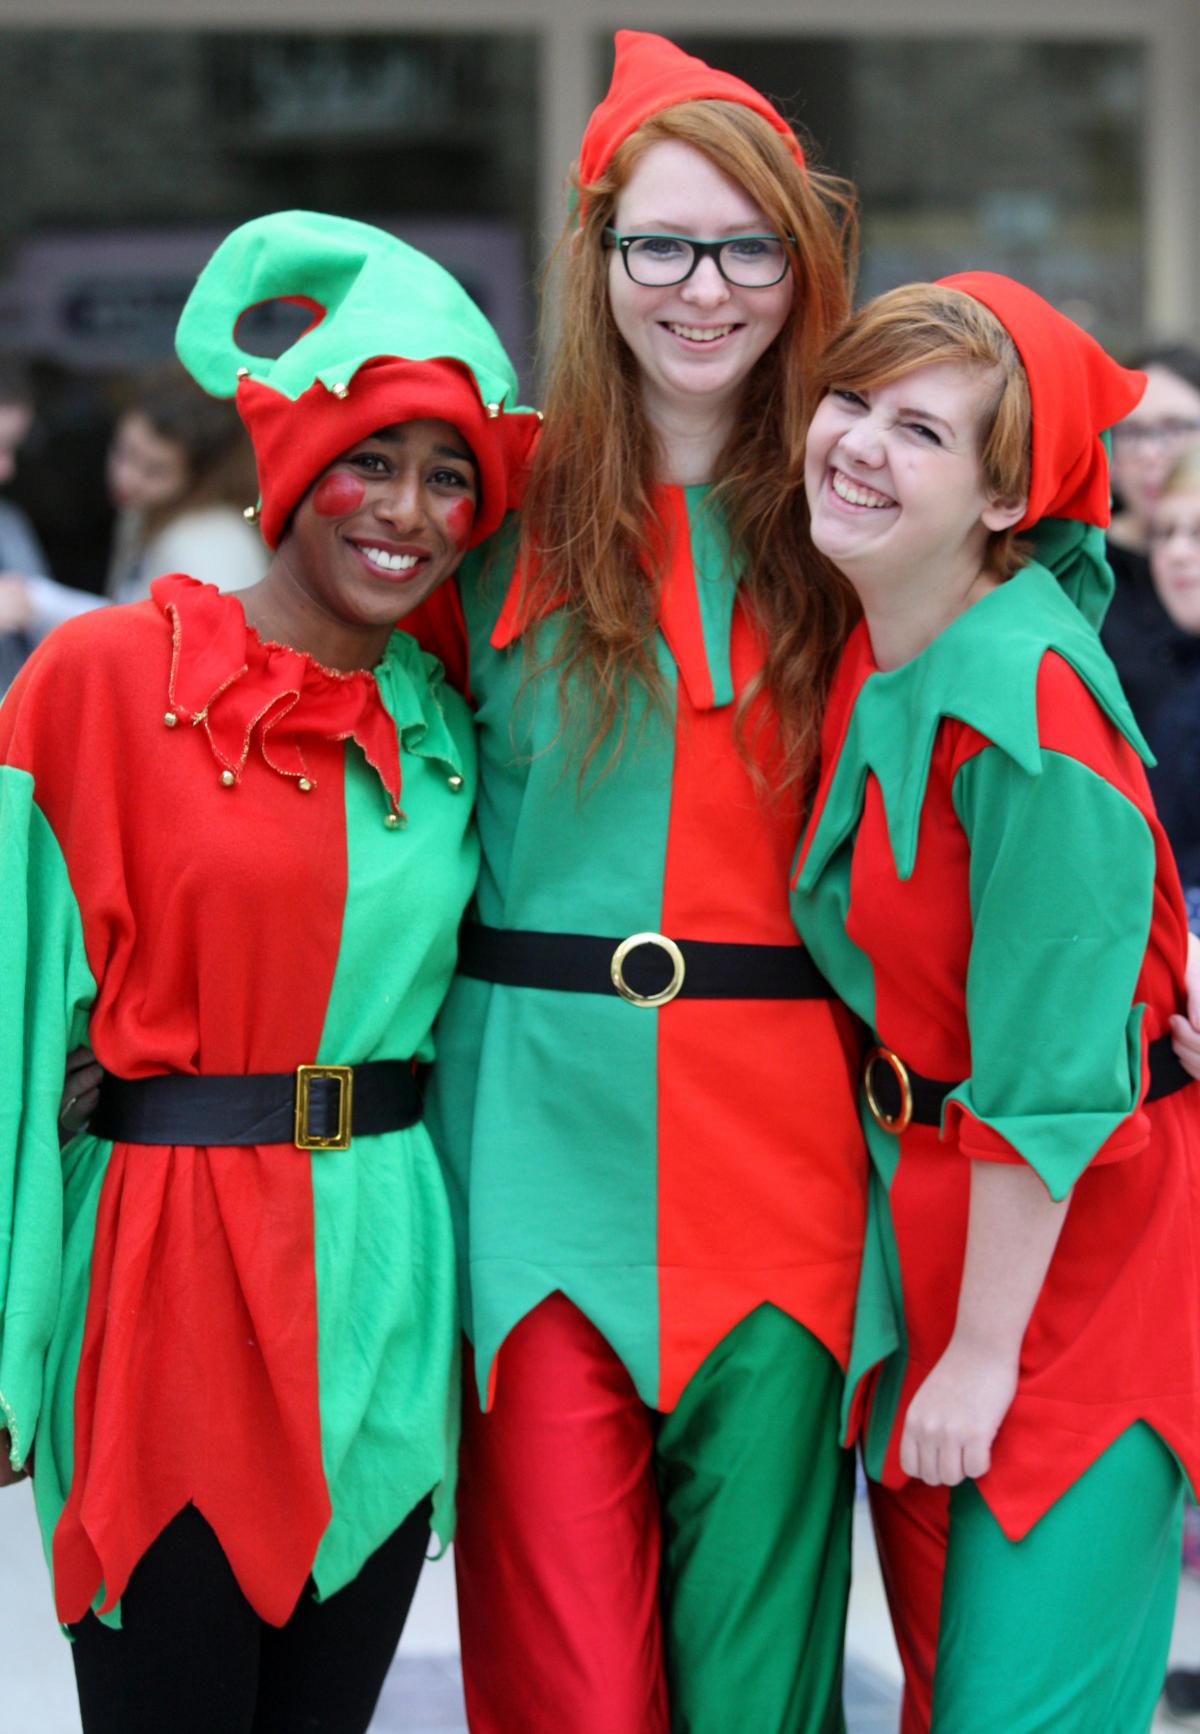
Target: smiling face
x: 384, y: 524
x: 895, y: 482
x: 1175, y: 556
x: 694, y: 342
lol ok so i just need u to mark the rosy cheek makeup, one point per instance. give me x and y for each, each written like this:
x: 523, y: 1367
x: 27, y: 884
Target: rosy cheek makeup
x: 459, y: 520
x: 337, y: 495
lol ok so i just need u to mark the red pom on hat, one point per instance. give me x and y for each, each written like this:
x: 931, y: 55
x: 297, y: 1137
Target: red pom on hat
x: 651, y: 74
x: 295, y: 439
x: 1077, y: 391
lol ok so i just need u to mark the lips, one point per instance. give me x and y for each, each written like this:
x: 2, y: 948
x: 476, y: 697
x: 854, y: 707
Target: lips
x: 394, y: 564
x: 858, y: 494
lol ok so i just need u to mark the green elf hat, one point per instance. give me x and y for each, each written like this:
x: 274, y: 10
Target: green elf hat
x: 393, y: 338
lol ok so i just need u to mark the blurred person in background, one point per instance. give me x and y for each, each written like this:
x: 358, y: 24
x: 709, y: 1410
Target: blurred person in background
x: 180, y: 473
x: 25, y: 586
x: 1143, y: 640
x: 1174, y: 542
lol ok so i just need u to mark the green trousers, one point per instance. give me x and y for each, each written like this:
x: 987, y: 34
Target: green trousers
x: 1063, y: 1632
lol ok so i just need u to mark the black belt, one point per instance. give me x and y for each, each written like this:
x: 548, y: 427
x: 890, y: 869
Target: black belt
x: 898, y: 1097
x: 314, y: 1107
x: 647, y: 969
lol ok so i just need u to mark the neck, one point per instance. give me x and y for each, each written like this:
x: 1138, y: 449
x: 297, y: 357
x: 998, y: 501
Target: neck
x: 282, y: 610
x: 689, y: 437
x: 905, y: 615
x: 1128, y: 532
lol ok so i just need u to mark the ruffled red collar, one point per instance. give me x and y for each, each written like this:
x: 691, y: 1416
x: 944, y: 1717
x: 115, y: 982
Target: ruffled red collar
x: 249, y: 694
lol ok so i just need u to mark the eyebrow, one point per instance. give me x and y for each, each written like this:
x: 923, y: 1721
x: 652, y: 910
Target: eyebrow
x: 659, y: 226
x: 913, y: 413
x: 394, y: 436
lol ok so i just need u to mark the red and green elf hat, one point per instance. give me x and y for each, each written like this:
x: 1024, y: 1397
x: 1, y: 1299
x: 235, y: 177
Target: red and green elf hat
x: 1077, y: 392
x: 393, y: 338
x: 651, y: 74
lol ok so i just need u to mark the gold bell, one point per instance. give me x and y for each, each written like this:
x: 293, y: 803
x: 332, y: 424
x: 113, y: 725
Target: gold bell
x: 340, y: 389
x: 539, y: 415
x: 243, y: 373
x: 493, y: 410
x: 392, y: 821
x: 250, y: 513
x: 170, y: 719
x: 455, y: 781
x: 228, y: 779
x: 303, y: 785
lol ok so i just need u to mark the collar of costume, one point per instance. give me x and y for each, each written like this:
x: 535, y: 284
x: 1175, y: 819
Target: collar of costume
x: 391, y: 337
x: 650, y: 74
x: 690, y: 558
x: 1077, y: 391
x: 981, y: 670
x: 249, y: 694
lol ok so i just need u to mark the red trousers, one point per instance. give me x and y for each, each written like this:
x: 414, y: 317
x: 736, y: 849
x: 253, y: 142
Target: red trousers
x: 623, y: 1571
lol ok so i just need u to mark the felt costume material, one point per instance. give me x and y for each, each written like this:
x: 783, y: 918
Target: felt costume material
x: 267, y: 1333
x: 671, y: 1172
x: 986, y: 883
x: 389, y: 326
x: 651, y: 74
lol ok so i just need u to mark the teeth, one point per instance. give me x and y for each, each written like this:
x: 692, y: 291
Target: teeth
x: 856, y: 494
x: 391, y: 562
x: 700, y: 333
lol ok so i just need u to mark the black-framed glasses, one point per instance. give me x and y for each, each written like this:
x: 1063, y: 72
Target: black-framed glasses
x: 658, y: 261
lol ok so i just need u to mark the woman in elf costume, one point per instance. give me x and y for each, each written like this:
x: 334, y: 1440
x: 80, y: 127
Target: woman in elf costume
x: 986, y: 883
x: 228, y: 1326
x: 644, y: 1095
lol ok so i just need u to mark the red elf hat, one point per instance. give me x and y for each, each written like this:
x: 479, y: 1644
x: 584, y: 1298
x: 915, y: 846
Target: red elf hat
x: 650, y: 74
x: 1076, y: 389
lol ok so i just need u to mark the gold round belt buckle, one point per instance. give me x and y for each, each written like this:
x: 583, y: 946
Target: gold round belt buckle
x: 895, y: 1123
x: 618, y: 969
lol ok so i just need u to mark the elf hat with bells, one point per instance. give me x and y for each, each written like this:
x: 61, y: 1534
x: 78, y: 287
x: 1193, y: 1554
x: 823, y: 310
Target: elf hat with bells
x: 393, y: 338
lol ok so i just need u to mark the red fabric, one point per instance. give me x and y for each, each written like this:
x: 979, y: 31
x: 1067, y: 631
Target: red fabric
x: 650, y: 74
x: 558, y: 1593
x: 294, y: 440
x: 911, y: 1530
x: 1077, y: 391
x: 245, y: 692
x: 736, y: 1227
x: 1090, y: 1367
x: 198, y: 1373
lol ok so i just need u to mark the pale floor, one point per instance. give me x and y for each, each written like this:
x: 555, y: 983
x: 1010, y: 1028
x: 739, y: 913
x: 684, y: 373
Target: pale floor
x: 422, y: 1695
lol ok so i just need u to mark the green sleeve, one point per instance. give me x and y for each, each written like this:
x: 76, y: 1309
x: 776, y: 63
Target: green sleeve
x: 46, y: 988
x: 1061, y: 885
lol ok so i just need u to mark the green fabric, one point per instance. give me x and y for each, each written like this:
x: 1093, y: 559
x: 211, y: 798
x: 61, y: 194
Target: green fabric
x: 1050, y: 1019
x: 756, y: 1500
x: 563, y: 1191
x: 716, y: 585
x: 46, y: 988
x: 1075, y: 553
x: 1067, y: 1630
x: 381, y: 298
x: 899, y: 712
x: 388, y: 1326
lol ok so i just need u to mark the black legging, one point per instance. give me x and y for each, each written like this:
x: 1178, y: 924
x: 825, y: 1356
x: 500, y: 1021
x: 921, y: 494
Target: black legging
x: 193, y: 1657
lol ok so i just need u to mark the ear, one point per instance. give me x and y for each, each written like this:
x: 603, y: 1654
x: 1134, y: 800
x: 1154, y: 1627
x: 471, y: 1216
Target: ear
x: 1003, y: 514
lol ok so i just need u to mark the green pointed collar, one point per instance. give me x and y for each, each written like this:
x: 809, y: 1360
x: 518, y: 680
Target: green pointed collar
x: 981, y: 670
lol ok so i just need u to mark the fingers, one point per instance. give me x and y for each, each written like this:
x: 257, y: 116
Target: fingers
x: 1193, y: 980
x: 1185, y: 1039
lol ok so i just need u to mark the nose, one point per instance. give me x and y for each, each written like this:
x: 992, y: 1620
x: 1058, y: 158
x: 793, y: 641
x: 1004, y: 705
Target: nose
x: 863, y: 442
x: 705, y: 287
x: 402, y: 504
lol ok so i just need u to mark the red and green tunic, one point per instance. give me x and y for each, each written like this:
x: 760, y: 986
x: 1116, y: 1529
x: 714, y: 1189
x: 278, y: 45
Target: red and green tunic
x: 986, y: 884
x: 199, y: 876
x: 668, y: 1170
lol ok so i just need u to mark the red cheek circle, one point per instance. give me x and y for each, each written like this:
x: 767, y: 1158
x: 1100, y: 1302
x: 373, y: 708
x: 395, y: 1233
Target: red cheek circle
x: 459, y: 520
x: 338, y: 494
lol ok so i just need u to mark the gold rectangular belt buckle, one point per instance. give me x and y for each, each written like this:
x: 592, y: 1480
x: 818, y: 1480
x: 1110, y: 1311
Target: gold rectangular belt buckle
x: 343, y: 1076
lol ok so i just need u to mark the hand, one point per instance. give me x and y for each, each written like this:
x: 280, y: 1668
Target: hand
x: 8, y: 1475
x: 81, y: 1092
x: 1185, y: 1031
x: 16, y: 611
x: 956, y: 1414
